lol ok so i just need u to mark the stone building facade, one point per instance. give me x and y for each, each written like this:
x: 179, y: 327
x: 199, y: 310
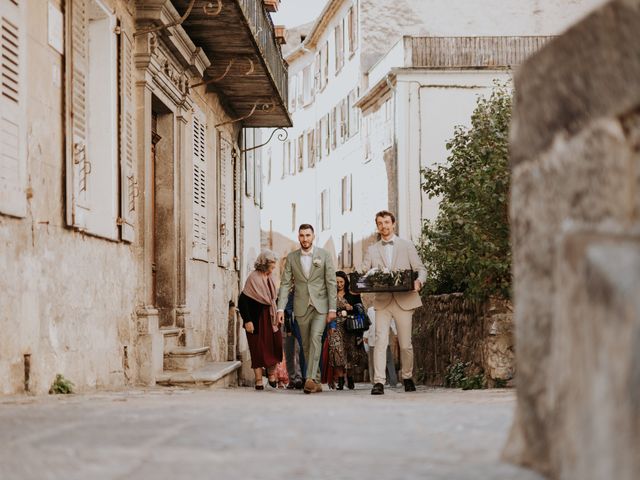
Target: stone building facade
x: 121, y: 192
x: 575, y: 215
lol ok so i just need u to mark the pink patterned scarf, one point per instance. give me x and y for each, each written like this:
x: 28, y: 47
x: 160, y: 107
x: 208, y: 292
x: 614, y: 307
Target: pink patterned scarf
x: 262, y: 289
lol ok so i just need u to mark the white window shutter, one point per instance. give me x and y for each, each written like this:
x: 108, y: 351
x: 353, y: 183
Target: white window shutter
x: 13, y: 158
x: 77, y: 162
x: 200, y: 220
x: 128, y: 183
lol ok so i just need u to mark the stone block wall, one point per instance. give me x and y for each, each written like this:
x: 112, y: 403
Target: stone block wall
x: 575, y: 213
x: 450, y: 328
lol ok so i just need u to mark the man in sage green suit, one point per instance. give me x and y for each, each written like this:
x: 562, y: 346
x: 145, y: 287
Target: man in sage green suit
x: 312, y: 272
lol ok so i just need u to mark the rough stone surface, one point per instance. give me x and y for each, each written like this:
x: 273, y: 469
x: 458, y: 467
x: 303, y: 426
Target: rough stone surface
x: 576, y: 237
x: 244, y: 434
x: 450, y: 329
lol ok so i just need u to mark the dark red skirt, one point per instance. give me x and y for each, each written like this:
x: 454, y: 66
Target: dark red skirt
x: 265, y: 345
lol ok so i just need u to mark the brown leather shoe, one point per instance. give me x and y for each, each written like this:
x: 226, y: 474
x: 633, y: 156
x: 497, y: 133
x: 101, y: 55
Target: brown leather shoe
x: 309, y: 386
x: 312, y: 387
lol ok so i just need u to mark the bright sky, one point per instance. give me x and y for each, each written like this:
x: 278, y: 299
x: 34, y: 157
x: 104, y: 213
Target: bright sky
x: 292, y: 13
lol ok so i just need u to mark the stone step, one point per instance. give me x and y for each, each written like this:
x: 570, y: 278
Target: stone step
x: 171, y: 337
x: 213, y: 374
x: 185, y: 358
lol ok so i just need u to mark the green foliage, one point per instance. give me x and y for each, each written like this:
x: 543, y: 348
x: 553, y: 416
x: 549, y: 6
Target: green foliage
x: 458, y: 376
x: 467, y: 246
x: 61, y: 385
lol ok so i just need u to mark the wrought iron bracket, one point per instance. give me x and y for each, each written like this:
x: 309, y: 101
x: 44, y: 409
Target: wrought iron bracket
x: 282, y: 136
x: 264, y: 108
x: 209, y: 9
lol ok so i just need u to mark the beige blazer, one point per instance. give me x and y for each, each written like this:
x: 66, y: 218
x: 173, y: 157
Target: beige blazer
x: 319, y: 289
x: 405, y: 256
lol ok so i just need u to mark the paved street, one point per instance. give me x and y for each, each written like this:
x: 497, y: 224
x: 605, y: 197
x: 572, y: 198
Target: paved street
x: 243, y: 434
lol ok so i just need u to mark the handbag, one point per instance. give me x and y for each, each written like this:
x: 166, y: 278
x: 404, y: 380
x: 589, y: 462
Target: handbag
x: 357, y: 322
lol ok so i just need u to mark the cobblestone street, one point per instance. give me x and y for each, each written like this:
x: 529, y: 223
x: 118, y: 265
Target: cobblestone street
x: 244, y: 434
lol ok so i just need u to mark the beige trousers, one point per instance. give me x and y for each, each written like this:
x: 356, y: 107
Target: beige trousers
x: 403, y: 320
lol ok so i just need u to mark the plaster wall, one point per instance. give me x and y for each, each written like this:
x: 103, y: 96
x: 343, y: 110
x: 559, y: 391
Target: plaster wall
x: 68, y: 299
x: 434, y: 103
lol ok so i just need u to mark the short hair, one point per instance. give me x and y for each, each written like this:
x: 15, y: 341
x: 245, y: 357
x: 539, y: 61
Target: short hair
x: 265, y: 258
x: 385, y: 213
x: 306, y: 226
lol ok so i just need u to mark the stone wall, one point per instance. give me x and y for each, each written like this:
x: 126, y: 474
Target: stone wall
x: 450, y: 328
x: 575, y: 213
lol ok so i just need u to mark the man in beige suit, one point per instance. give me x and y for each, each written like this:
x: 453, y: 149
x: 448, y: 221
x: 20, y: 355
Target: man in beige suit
x: 394, y: 253
x: 312, y: 272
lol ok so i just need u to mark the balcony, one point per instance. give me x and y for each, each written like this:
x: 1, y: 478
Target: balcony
x: 247, y: 67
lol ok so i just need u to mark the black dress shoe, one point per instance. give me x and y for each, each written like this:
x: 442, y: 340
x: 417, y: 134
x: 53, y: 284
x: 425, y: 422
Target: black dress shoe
x: 409, y: 386
x: 290, y: 386
x: 298, y: 384
x: 378, y: 389
x: 341, y: 383
x: 350, y: 383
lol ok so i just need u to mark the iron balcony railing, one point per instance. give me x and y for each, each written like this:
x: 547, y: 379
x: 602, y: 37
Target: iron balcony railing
x: 263, y: 31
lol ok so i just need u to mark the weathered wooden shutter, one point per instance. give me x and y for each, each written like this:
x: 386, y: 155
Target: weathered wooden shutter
x: 127, y: 142
x: 225, y: 201
x: 77, y: 66
x: 200, y: 220
x: 13, y: 200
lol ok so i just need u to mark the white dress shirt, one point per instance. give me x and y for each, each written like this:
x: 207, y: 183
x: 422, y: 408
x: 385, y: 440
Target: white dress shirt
x: 305, y: 259
x: 388, y: 251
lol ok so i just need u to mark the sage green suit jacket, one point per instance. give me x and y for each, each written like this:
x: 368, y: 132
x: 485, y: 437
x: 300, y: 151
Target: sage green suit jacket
x: 319, y: 289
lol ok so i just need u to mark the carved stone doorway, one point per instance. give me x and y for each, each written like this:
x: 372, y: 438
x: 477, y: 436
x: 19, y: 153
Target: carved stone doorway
x: 164, y: 216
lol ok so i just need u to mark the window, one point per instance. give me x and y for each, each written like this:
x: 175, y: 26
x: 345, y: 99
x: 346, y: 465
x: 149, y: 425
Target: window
x: 347, y: 250
x: 92, y: 122
x: 300, y: 89
x: 249, y: 161
x: 311, y: 143
x: 366, y: 130
x: 317, y: 148
x: 199, y: 207
x: 225, y: 188
x: 293, y: 157
x: 333, y: 129
x: 285, y: 148
x: 352, y: 29
x: 293, y: 93
x: 354, y: 114
x: 293, y: 217
x: 301, y: 153
x: 339, y: 47
x: 317, y: 72
x: 388, y: 123
x: 324, y: 76
x: 347, y: 196
x: 269, y: 165
x: 323, y: 142
x: 13, y: 158
x: 307, y: 84
x: 344, y: 121
x: 325, y: 212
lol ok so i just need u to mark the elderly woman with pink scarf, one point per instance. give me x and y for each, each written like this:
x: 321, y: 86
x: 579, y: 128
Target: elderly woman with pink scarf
x: 257, y: 305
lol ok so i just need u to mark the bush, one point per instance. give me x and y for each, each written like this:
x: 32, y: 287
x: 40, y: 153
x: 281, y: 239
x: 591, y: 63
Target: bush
x: 458, y: 375
x: 61, y: 385
x: 467, y: 247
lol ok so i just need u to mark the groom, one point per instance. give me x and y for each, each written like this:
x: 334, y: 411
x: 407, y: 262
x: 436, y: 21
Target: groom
x: 394, y: 253
x: 312, y: 272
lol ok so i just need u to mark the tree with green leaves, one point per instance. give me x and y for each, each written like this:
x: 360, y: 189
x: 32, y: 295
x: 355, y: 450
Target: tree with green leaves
x: 466, y: 248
